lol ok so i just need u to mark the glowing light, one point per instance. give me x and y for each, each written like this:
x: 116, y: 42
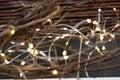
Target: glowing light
x: 87, y: 42
x: 117, y: 25
x: 67, y: 43
x: 22, y: 43
x: 114, y: 9
x: 21, y: 74
x: 12, y: 42
x: 64, y: 53
x: 35, y: 51
x: 98, y: 28
x: 65, y: 57
x: 49, y: 36
x: 2, y: 54
x: 112, y: 35
x: 65, y: 29
x: 10, y: 51
x: 55, y: 72
x: 101, y: 36
x: 42, y: 53
x: 6, y: 61
x: 89, y: 20
x: 28, y: 49
x: 49, y: 20
x: 98, y: 50
x: 30, y: 45
x: 95, y: 22
x: 57, y: 38
x: 103, y: 47
x: 12, y: 31
x: 23, y: 63
x: 37, y: 29
x: 99, y: 10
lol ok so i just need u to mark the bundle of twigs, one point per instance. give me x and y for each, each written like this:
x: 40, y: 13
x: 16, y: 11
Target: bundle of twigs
x: 56, y: 39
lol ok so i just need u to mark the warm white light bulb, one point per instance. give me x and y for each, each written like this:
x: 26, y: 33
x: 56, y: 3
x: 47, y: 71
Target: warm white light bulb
x: 55, y: 72
x: 22, y: 43
x: 101, y: 37
x: 23, y: 63
x: 6, y: 61
x: 114, y: 9
x: 112, y: 35
x: 2, y: 54
x: 67, y: 43
x: 12, y: 31
x: 42, y: 53
x: 10, y: 51
x: 103, y: 47
x: 89, y: 20
x: 49, y: 20
x: 87, y: 42
x: 30, y: 45
x: 95, y: 22
x: 97, y: 28
x: 99, y: 10
x: 65, y: 57
x: 37, y: 29
x: 64, y: 53
x: 21, y: 74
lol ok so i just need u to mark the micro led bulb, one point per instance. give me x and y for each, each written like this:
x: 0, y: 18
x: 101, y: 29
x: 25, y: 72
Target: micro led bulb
x: 12, y: 31
x: 99, y: 10
x: 89, y: 20
x: 103, y: 47
x: 2, y: 54
x: 6, y: 61
x: 37, y: 29
x: 101, y: 37
x: 30, y: 45
x: 87, y: 42
x: 49, y: 20
x: 55, y: 72
x: 23, y: 63
x: 114, y: 9
x: 95, y: 22
x: 112, y: 35
x: 64, y: 53
x: 65, y: 57
x: 97, y: 29
x: 22, y: 43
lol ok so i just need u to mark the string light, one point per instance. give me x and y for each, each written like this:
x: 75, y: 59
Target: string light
x: 55, y: 72
x: 65, y: 57
x: 112, y: 35
x: 42, y: 53
x: 22, y: 43
x: 21, y: 74
x: 87, y: 42
x: 89, y: 20
x: 2, y: 54
x: 114, y: 9
x: 6, y: 61
x: 12, y: 31
x: 23, y: 63
x: 10, y: 51
x: 30, y: 45
x: 95, y: 22
x: 64, y: 53
x: 103, y: 47
x: 67, y: 43
x: 101, y: 37
x: 37, y: 29
x: 49, y: 36
x: 99, y: 10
